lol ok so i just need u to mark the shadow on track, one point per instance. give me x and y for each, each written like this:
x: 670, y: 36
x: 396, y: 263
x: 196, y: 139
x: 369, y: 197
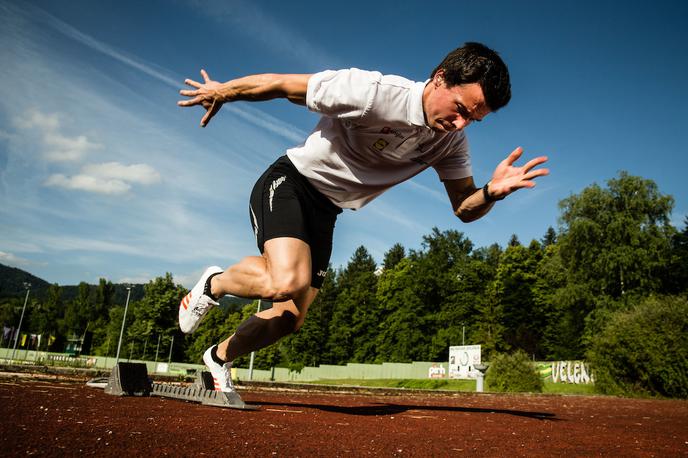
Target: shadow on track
x: 380, y: 409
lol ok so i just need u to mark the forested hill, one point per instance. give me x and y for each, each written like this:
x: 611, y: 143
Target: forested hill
x: 12, y: 282
x: 12, y: 285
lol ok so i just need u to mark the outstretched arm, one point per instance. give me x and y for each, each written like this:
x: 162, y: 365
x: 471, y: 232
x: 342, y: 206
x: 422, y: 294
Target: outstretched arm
x: 213, y: 94
x: 470, y: 203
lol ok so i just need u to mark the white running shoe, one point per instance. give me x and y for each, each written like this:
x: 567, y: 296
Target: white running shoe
x: 222, y: 377
x: 196, y: 304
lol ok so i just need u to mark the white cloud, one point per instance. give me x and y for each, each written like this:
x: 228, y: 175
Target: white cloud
x: 12, y: 260
x: 136, y: 280
x: 107, y: 178
x: 34, y: 118
x: 135, y: 173
x: 87, y: 183
x: 54, y: 144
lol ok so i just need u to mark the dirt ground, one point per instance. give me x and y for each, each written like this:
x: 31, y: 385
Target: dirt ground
x: 57, y: 417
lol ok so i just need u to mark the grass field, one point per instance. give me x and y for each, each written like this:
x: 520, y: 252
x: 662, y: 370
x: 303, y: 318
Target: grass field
x: 451, y: 385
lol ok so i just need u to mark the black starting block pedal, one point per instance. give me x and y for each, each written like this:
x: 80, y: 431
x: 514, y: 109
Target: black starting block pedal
x: 131, y: 379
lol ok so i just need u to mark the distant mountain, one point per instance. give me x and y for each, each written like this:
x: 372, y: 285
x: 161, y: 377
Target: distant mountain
x: 12, y: 285
x: 12, y: 282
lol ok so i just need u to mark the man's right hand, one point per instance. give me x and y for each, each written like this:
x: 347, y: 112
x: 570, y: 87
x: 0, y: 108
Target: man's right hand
x: 208, y: 94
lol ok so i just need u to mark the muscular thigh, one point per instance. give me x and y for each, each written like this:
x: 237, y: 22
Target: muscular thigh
x: 285, y: 207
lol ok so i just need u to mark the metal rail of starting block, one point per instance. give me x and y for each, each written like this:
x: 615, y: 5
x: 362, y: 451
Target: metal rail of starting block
x: 131, y: 379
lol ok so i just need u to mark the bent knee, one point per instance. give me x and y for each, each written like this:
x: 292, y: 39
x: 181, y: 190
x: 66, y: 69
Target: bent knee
x: 287, y: 286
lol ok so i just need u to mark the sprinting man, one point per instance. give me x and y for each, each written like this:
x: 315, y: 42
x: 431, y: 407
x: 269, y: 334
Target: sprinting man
x: 375, y: 132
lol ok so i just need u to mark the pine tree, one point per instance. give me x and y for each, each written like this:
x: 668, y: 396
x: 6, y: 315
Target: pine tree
x: 355, y: 315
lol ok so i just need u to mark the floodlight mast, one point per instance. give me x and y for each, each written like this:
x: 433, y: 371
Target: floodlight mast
x: 124, y: 319
x: 27, y: 285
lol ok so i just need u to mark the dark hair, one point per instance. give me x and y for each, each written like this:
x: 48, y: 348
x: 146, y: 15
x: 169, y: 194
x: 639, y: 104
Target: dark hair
x: 476, y: 63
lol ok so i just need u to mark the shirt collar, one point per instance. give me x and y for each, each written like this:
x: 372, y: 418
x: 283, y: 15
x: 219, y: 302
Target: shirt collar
x: 416, y: 113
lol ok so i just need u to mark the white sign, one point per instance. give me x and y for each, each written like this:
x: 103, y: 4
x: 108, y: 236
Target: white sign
x: 436, y: 371
x: 462, y: 361
x: 571, y: 372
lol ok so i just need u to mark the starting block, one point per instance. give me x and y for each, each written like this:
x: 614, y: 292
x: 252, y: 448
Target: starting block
x: 131, y: 379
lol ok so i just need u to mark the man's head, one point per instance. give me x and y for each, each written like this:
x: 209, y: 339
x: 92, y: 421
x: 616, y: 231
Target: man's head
x: 470, y: 83
x: 476, y: 63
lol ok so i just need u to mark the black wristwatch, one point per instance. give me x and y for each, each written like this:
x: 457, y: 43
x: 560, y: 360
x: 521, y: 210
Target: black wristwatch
x: 488, y: 197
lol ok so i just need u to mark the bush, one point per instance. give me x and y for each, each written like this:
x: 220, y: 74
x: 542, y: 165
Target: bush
x: 513, y: 373
x: 644, y: 350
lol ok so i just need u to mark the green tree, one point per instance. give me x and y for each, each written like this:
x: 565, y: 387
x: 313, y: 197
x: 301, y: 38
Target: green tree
x: 47, y: 315
x: 108, y: 345
x: 616, y: 240
x: 550, y: 237
x: 393, y: 256
x: 644, y: 349
x: 98, y: 314
x: 401, y: 333
x: 78, y: 312
x: 156, y: 314
x: 105, y: 293
x: 550, y: 280
x: 513, y: 241
x: 513, y: 373
x: 438, y: 269
x: 10, y: 312
x: 356, y: 314
x: 676, y: 277
x: 217, y: 325
x: 305, y: 347
x: 615, y: 246
x: 489, y: 328
x: 485, y: 326
x: 513, y: 289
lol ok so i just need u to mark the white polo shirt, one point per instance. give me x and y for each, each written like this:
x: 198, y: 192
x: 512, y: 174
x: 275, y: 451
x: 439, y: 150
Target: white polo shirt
x: 372, y: 135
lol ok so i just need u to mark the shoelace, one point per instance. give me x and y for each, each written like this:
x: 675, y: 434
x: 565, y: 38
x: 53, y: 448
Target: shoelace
x: 203, y: 304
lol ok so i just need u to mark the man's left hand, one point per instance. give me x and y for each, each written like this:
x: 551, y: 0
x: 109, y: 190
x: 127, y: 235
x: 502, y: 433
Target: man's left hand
x: 508, y: 178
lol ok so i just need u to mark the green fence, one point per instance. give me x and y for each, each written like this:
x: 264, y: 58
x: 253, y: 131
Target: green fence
x: 415, y: 370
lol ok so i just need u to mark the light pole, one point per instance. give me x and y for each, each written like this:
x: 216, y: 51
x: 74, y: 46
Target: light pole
x: 124, y: 319
x: 156, y: 350
x: 16, y: 336
x: 169, y: 358
x: 253, y: 353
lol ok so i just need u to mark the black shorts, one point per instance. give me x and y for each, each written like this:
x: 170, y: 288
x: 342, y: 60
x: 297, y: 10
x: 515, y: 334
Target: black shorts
x: 285, y: 204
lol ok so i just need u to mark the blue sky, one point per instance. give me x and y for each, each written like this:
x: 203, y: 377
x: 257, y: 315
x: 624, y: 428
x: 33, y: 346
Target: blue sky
x: 102, y: 175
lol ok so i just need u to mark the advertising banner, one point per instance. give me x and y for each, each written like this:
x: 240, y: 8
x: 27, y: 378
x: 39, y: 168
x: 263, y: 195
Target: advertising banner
x: 462, y: 361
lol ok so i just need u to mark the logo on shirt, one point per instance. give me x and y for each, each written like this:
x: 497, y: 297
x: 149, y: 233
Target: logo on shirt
x: 389, y: 130
x: 380, y: 144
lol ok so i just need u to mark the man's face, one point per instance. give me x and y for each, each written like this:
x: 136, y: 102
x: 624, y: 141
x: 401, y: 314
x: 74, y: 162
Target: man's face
x: 452, y: 108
